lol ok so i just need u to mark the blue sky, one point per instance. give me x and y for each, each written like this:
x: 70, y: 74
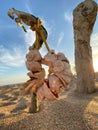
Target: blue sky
x: 14, y: 42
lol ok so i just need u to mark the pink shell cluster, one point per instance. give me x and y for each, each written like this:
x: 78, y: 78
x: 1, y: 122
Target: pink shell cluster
x: 58, y: 77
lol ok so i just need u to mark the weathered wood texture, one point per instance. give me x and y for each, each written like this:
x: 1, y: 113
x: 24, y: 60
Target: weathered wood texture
x: 84, y: 17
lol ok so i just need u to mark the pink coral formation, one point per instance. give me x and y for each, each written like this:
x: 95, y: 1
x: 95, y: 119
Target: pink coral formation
x: 59, y: 74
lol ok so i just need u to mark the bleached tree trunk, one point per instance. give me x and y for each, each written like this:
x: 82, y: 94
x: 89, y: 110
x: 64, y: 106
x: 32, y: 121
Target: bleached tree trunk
x: 84, y: 17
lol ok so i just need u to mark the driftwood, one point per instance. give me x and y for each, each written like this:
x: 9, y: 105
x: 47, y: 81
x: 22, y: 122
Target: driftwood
x: 59, y: 68
x: 84, y: 17
x: 35, y: 25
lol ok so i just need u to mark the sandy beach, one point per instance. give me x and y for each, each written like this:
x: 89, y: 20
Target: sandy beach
x: 72, y: 111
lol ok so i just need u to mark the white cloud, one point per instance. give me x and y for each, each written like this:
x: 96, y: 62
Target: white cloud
x: 68, y: 17
x: 61, y: 36
x: 27, y: 6
x: 29, y: 37
x: 14, y: 58
x: 94, y: 44
x: 3, y: 69
x: 94, y: 39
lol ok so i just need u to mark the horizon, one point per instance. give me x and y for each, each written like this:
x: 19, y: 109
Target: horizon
x: 14, y: 42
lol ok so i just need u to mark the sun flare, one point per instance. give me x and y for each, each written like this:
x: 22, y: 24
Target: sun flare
x: 95, y: 64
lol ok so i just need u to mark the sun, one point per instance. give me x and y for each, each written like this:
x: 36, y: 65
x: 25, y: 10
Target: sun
x: 95, y: 64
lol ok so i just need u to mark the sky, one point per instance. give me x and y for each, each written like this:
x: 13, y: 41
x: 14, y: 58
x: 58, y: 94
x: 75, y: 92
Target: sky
x: 56, y: 16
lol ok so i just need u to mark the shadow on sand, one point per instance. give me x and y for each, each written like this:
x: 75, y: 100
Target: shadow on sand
x: 73, y: 111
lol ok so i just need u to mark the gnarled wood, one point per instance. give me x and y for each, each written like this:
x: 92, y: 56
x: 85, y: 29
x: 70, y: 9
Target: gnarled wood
x: 84, y: 17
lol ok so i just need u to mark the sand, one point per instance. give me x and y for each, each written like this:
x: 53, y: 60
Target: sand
x: 72, y: 111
